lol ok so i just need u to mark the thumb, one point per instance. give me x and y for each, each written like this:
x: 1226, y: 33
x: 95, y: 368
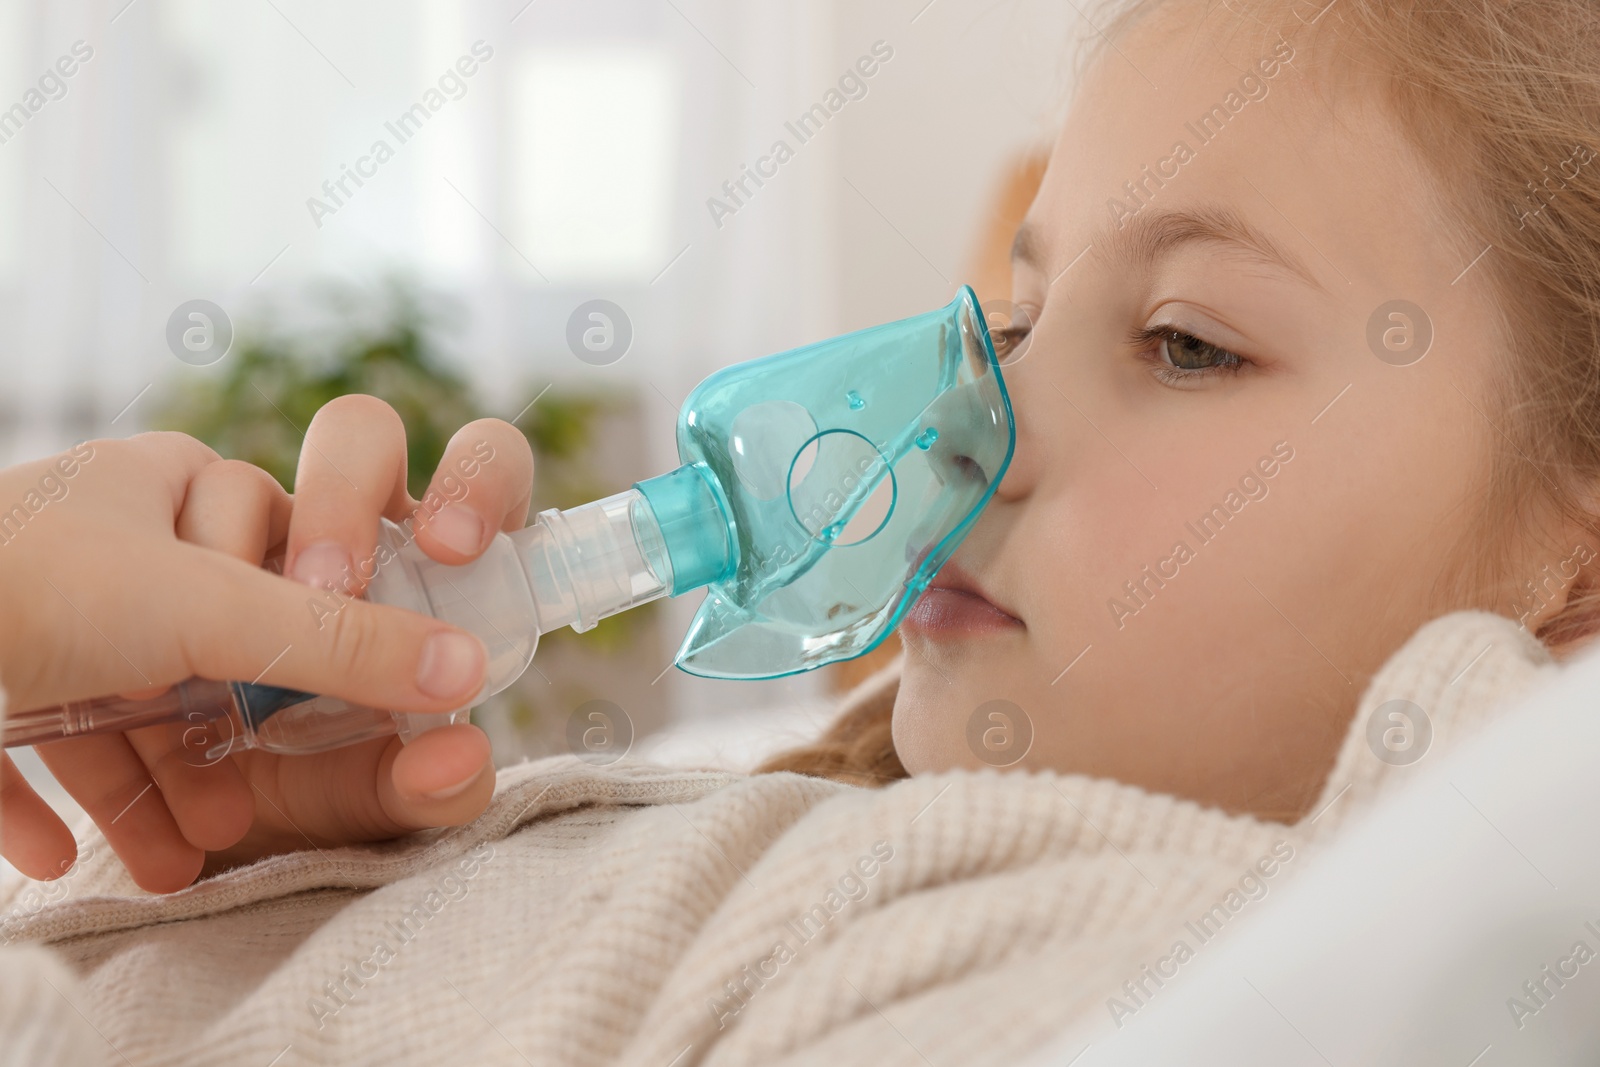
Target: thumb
x: 259, y: 626
x: 444, y: 777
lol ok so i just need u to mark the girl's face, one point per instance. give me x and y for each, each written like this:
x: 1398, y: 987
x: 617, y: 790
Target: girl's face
x: 1206, y: 544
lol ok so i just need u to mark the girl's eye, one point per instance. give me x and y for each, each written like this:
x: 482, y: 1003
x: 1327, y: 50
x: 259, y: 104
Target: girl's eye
x: 1010, y: 341
x: 1179, y: 356
x: 1010, y: 328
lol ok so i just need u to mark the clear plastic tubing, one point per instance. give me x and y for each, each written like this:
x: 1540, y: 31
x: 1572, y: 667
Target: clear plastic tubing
x: 571, y: 568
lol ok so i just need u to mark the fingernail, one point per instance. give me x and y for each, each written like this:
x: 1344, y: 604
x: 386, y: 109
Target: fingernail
x: 459, y: 528
x: 451, y: 664
x: 452, y: 790
x: 324, y: 565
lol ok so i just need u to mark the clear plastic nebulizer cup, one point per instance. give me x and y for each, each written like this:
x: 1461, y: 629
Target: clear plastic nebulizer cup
x: 820, y: 491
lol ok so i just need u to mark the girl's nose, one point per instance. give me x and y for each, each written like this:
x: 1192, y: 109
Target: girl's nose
x: 1023, y: 474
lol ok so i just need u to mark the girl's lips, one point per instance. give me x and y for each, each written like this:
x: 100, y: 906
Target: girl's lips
x: 954, y: 606
x: 953, y: 613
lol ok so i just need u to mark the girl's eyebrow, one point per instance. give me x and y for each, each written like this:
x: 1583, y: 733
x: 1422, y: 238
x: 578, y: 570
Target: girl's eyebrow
x: 1143, y: 240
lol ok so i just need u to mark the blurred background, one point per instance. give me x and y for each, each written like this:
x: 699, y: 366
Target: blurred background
x: 228, y: 151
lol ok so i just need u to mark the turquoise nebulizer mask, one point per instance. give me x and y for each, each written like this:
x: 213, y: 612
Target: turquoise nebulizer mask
x: 850, y: 471
x: 821, y: 490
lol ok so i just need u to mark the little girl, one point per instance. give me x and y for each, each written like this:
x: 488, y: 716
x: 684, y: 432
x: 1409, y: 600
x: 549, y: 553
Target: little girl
x: 1308, y: 426
x: 1315, y: 358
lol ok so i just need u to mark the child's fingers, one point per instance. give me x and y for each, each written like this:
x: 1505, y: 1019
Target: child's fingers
x: 352, y: 470
x: 484, y: 484
x: 32, y: 836
x: 175, y: 457
x: 356, y: 793
x: 209, y: 799
x: 106, y: 777
x: 442, y: 778
x: 240, y: 510
x: 236, y: 508
x: 257, y: 626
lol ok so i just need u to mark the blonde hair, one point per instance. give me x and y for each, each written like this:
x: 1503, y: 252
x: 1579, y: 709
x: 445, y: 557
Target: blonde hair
x: 1499, y: 98
x: 858, y: 748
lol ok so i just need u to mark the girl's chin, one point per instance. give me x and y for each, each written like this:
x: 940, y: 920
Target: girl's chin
x: 951, y: 614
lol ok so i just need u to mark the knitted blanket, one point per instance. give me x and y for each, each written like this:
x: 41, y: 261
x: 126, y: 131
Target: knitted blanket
x: 639, y: 915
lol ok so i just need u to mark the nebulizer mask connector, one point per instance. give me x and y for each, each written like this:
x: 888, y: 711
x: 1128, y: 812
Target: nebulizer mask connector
x: 664, y: 536
x: 660, y: 538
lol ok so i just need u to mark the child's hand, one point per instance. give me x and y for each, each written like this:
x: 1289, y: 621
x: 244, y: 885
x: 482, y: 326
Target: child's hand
x: 144, y: 570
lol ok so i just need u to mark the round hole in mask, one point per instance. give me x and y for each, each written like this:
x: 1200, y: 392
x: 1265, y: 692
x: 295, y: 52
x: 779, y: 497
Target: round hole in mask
x: 827, y: 478
x: 763, y: 441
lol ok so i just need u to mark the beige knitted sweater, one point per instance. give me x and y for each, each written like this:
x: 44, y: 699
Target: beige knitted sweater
x: 640, y: 915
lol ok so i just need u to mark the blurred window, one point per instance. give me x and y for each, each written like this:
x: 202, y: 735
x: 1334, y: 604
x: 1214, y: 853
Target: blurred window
x: 591, y: 138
